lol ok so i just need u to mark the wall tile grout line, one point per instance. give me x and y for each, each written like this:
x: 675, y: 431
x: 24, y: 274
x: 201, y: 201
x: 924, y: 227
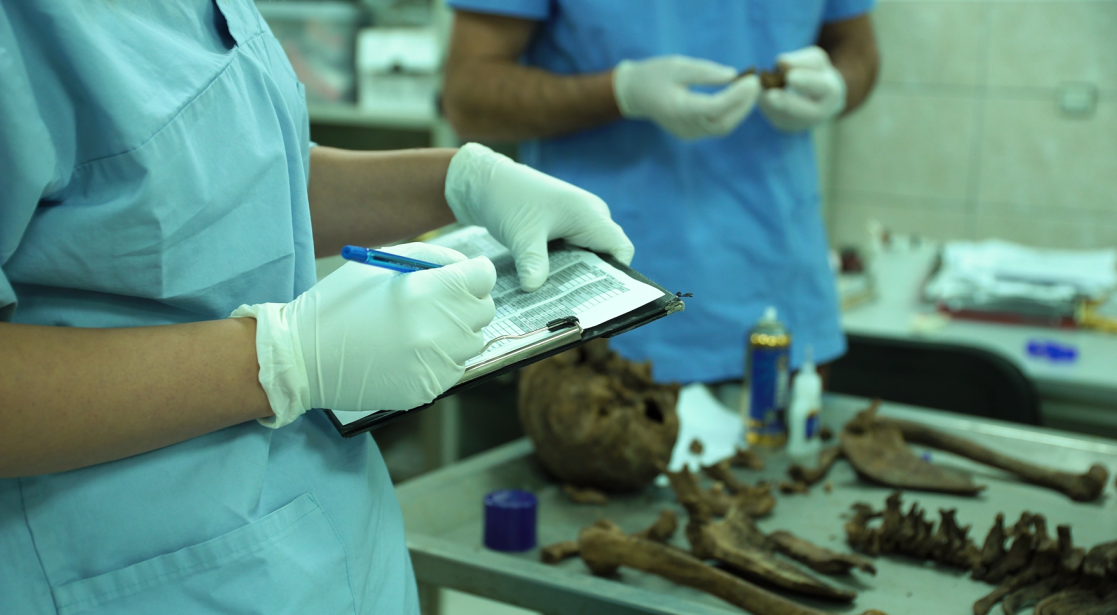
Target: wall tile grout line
x: 973, y: 185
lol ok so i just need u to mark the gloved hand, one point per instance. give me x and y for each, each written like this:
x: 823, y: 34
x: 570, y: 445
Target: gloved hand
x: 815, y: 91
x: 369, y: 339
x: 524, y: 209
x: 659, y: 89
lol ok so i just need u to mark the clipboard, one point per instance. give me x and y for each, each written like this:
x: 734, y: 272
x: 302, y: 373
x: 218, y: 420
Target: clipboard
x: 558, y: 336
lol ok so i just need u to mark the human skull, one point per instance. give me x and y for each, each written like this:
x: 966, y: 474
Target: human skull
x: 597, y: 420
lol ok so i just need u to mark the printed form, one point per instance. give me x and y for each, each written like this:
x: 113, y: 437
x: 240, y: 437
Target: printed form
x: 580, y: 284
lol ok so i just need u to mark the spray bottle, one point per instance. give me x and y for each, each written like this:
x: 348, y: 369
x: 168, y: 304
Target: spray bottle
x: 803, y: 417
x: 766, y: 372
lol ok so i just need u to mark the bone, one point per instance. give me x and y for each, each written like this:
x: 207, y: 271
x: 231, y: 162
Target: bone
x: 660, y: 531
x: 696, y: 446
x: 876, y: 449
x: 768, y: 79
x: 746, y: 459
x: 1036, y: 568
x: 911, y: 534
x: 1079, y: 601
x: 584, y: 495
x: 738, y: 543
x: 559, y: 551
x: 1084, y: 487
x: 717, y: 501
x: 817, y: 558
x: 810, y: 476
x: 606, y: 550
x: 720, y: 472
x: 795, y: 487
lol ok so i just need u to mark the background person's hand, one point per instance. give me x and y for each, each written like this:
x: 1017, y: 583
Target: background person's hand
x: 659, y: 89
x: 524, y: 209
x: 815, y: 91
x: 369, y: 339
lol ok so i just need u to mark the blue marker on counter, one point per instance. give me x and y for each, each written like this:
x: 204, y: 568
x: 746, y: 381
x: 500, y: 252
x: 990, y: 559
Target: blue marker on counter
x: 385, y: 260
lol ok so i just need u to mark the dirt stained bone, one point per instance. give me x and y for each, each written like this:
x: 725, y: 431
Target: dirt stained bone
x: 598, y: 420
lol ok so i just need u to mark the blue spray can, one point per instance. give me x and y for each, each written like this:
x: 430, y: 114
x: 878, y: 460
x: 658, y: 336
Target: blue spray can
x: 767, y: 373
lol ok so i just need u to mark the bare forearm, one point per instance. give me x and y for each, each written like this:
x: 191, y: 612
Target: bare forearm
x: 375, y: 198
x: 853, y: 50
x: 77, y: 397
x: 501, y: 100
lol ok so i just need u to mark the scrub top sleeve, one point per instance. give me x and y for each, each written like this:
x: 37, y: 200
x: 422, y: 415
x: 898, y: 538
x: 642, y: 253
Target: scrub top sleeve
x: 28, y: 156
x: 536, y: 10
x: 840, y: 10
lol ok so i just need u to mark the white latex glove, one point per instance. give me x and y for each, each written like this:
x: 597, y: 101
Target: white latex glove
x: 659, y: 89
x: 366, y: 338
x: 815, y: 91
x: 524, y: 209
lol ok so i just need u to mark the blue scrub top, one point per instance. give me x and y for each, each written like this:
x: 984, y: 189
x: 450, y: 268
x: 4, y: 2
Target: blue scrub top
x: 154, y: 159
x: 735, y: 220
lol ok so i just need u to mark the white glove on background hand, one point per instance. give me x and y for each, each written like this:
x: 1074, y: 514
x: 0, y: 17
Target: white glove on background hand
x: 524, y: 209
x: 369, y: 339
x: 659, y: 89
x: 815, y: 91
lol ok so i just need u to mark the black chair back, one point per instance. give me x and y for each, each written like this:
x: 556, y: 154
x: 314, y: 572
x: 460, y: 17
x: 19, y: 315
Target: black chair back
x: 949, y: 377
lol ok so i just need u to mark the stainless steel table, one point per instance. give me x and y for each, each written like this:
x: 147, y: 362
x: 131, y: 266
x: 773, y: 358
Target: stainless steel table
x: 443, y: 513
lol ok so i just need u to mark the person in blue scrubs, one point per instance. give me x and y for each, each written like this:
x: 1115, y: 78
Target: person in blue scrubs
x: 641, y: 103
x: 156, y: 178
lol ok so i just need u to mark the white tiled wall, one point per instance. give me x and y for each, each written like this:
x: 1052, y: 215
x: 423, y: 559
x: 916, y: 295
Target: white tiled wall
x: 964, y: 136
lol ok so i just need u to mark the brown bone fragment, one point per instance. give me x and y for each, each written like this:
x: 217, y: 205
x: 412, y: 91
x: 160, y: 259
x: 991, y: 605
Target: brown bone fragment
x: 1045, y: 560
x: 1078, y: 601
x: 686, y: 486
x: 1101, y: 560
x: 1080, y: 487
x: 696, y: 446
x: 911, y: 534
x: 738, y: 543
x: 605, y: 550
x: 584, y: 495
x: 810, y: 476
x: 768, y: 79
x: 720, y: 472
x: 1028, y: 595
x: 660, y: 531
x: 756, y: 501
x: 876, y: 449
x: 746, y: 459
x: 993, y: 549
x: 817, y: 558
x: 555, y: 553
x: 796, y: 487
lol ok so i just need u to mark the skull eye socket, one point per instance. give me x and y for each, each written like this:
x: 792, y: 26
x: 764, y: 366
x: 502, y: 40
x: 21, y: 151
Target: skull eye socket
x: 652, y: 410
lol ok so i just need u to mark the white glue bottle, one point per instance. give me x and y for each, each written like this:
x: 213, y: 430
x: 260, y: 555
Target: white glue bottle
x: 803, y: 416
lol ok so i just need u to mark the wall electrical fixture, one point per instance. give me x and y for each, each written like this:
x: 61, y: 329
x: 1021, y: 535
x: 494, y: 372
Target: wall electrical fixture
x: 1078, y: 99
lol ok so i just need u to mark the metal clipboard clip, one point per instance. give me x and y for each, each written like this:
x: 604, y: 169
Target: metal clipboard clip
x: 563, y: 331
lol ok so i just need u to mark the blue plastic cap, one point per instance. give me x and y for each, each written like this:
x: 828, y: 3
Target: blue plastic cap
x: 510, y: 520
x: 354, y: 253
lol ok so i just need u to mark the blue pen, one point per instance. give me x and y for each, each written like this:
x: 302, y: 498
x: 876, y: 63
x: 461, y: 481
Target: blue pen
x: 385, y: 260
